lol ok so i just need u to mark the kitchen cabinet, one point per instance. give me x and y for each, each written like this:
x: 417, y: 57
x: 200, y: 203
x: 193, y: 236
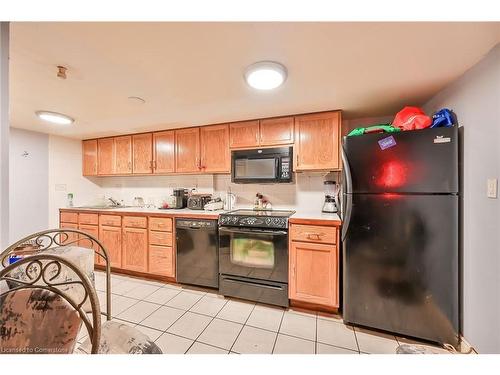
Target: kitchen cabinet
x: 164, y: 152
x: 215, y: 154
x: 244, y: 134
x: 142, y: 153
x: 111, y: 239
x: 89, y: 157
x: 105, y: 156
x: 70, y: 238
x: 161, y: 260
x: 187, y: 150
x: 314, y: 268
x: 123, y: 155
x: 317, y: 139
x: 135, y: 249
x: 276, y: 131
x: 93, y: 230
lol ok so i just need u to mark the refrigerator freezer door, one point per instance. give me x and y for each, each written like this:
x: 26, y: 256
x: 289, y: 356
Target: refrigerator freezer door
x: 420, y: 161
x: 401, y: 265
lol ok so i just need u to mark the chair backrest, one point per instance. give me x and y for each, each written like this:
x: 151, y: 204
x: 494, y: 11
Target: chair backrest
x: 54, y: 238
x: 40, y: 317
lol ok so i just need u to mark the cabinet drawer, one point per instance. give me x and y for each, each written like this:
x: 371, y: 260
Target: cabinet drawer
x: 110, y: 220
x: 160, y: 224
x: 135, y: 221
x: 91, y: 219
x: 69, y: 217
x: 313, y: 233
x: 161, y: 260
x: 160, y: 238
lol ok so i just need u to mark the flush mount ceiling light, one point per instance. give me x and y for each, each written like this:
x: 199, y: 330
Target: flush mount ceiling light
x: 265, y: 75
x: 54, y: 117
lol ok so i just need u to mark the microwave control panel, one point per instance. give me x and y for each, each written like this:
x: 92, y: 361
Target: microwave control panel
x: 285, y: 173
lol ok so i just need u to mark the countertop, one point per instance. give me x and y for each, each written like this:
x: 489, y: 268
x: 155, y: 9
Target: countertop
x: 299, y: 217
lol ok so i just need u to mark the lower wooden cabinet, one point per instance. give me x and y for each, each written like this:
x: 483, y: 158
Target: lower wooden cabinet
x: 111, y: 239
x: 70, y: 238
x: 135, y: 249
x: 161, y: 260
x: 93, y: 230
x: 314, y: 271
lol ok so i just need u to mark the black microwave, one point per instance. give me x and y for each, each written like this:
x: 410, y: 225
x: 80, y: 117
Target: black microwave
x: 262, y: 165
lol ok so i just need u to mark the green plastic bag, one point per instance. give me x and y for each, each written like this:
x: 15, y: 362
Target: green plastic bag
x: 380, y: 128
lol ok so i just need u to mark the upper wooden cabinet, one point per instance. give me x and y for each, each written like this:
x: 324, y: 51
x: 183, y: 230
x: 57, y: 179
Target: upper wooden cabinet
x: 317, y: 141
x: 276, y: 131
x: 244, y: 134
x: 215, y: 155
x: 105, y: 156
x: 207, y: 149
x: 123, y: 154
x: 89, y: 157
x: 164, y: 152
x: 142, y: 153
x: 187, y: 150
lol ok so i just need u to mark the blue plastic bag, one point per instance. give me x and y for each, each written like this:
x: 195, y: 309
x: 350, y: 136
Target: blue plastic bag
x: 443, y: 118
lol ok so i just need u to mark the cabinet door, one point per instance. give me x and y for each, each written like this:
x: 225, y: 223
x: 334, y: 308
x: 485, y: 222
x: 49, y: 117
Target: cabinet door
x: 111, y: 239
x: 93, y: 230
x: 123, y: 155
x: 89, y: 157
x: 164, y: 152
x: 135, y: 249
x: 71, y: 238
x: 187, y: 150
x: 276, y: 131
x: 105, y: 156
x: 161, y: 260
x: 317, y: 141
x: 244, y: 134
x: 215, y: 154
x: 314, y: 273
x: 142, y: 152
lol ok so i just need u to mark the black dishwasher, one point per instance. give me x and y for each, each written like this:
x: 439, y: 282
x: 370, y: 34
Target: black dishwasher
x: 197, y: 252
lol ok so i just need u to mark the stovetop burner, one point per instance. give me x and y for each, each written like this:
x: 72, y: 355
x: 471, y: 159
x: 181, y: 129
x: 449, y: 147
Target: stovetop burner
x: 244, y: 212
x: 255, y: 218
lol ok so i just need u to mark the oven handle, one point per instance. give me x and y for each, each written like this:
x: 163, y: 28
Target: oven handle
x: 260, y: 285
x: 253, y: 231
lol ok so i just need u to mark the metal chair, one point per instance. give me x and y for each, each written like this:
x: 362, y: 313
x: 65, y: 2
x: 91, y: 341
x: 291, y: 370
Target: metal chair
x: 37, y: 315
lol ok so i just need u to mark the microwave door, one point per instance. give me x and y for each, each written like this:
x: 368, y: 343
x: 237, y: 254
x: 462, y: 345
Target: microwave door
x: 255, y: 169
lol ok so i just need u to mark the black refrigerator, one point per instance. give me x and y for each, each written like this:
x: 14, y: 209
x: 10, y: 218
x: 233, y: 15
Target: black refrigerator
x: 400, y: 233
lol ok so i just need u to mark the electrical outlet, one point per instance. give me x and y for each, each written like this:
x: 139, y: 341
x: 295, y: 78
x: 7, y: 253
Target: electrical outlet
x: 492, y: 188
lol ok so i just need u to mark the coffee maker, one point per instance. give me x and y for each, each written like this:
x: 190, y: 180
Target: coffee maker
x: 331, y: 195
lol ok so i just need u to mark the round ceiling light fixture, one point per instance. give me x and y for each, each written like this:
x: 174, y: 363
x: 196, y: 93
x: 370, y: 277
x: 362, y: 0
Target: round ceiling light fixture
x: 54, y: 117
x: 265, y: 75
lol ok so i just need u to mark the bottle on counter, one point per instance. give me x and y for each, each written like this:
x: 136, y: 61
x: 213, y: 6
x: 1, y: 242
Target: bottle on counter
x: 70, y: 200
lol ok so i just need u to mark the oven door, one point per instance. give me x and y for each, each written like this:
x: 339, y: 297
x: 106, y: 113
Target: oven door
x: 254, y: 253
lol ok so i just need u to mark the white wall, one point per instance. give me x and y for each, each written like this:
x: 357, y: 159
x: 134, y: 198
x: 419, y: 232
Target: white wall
x: 475, y: 98
x: 4, y: 134
x: 28, y: 183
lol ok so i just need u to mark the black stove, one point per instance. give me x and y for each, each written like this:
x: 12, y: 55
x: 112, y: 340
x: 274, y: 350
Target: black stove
x: 256, y: 218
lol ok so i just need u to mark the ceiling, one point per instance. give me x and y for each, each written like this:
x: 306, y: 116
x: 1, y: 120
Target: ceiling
x: 192, y: 73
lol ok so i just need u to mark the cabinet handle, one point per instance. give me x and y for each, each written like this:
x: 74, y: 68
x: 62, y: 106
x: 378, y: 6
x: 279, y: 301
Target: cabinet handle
x: 256, y: 137
x: 311, y: 235
x: 129, y: 166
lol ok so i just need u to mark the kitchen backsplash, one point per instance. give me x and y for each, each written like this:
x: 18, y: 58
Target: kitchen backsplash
x: 305, y: 193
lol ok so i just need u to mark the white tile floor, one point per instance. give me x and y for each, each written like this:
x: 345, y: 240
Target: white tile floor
x: 184, y: 320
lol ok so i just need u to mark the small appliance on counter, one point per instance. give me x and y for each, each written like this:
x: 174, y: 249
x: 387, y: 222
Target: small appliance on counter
x: 214, y: 205
x: 177, y: 200
x: 331, y: 196
x: 198, y: 201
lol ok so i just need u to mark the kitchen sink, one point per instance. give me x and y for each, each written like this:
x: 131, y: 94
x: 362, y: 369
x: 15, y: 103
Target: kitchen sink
x: 97, y: 207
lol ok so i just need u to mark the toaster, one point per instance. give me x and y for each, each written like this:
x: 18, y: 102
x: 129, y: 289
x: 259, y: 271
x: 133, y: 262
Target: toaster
x: 198, y: 201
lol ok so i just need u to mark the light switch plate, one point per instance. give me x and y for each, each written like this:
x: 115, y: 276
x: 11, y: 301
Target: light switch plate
x: 492, y: 188
x: 60, y: 187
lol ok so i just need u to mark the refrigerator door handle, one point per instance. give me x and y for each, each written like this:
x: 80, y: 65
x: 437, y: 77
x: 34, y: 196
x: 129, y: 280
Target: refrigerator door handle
x: 347, y: 181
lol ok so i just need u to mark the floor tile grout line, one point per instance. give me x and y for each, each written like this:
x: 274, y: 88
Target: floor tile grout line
x: 316, y: 335
x: 243, y: 326
x: 277, y: 333
x: 203, y: 330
